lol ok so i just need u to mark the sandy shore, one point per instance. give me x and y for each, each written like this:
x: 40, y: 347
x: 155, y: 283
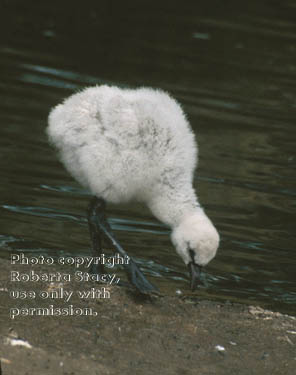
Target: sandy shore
x: 129, y: 334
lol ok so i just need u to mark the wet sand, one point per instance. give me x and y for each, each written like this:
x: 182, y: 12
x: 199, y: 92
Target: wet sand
x: 132, y: 334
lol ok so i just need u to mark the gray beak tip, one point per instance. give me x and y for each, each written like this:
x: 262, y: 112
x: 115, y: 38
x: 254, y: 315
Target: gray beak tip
x: 195, y: 273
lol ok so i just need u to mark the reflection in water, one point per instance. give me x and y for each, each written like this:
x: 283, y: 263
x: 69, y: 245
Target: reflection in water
x: 233, y: 69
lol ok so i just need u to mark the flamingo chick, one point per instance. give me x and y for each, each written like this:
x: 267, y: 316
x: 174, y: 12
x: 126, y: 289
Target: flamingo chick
x: 124, y: 145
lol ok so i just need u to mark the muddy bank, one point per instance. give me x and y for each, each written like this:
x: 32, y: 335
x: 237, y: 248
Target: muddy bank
x: 131, y: 334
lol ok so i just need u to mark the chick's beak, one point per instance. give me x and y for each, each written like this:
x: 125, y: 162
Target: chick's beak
x: 195, y: 273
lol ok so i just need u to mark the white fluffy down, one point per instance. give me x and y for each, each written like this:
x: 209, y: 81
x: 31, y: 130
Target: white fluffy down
x: 125, y: 144
x: 196, y: 232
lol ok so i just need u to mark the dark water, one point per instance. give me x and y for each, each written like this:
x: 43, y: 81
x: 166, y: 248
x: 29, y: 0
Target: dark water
x: 232, y: 66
